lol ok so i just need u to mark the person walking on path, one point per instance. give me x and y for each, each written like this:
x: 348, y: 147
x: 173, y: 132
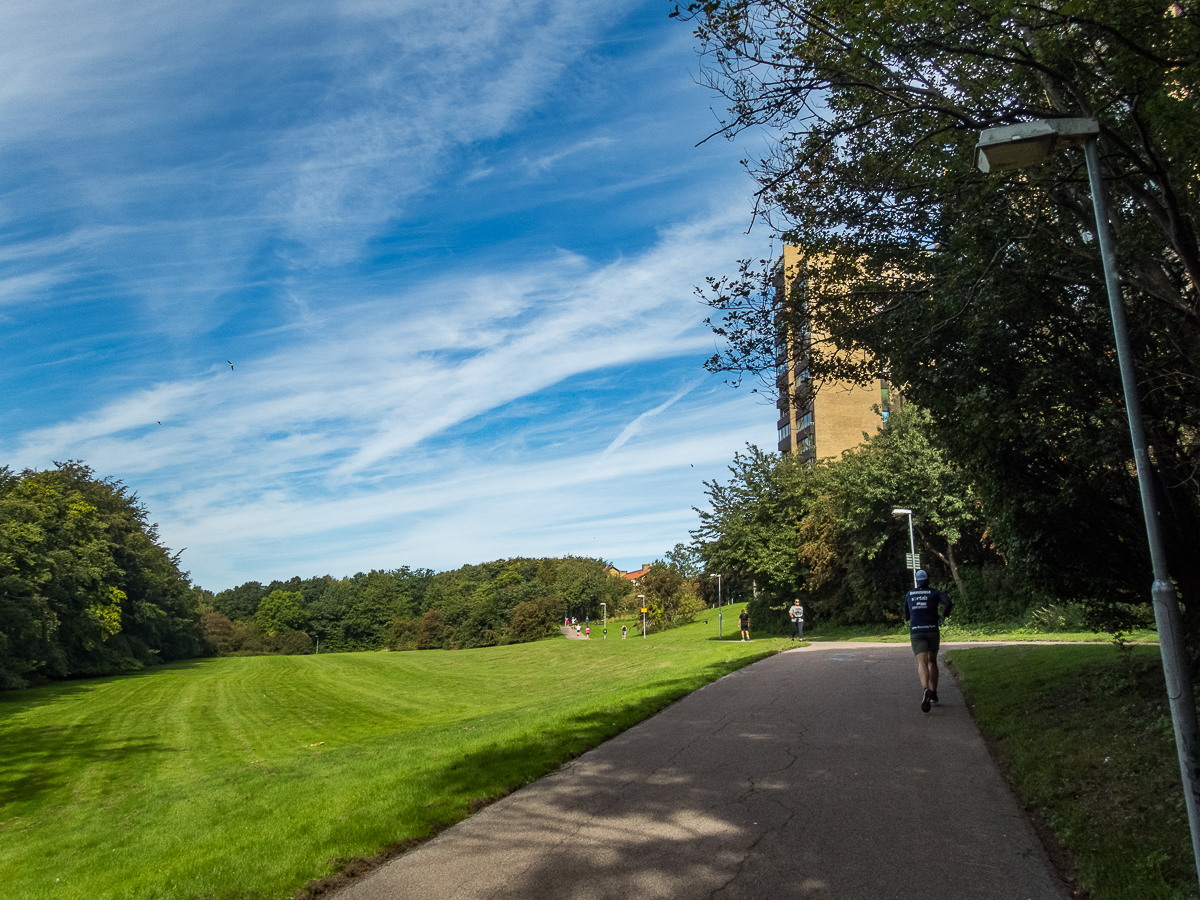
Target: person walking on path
x: 624, y: 630
x: 744, y: 621
x: 796, y: 614
x: 921, y: 612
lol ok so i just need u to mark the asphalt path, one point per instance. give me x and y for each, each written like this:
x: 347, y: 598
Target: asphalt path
x: 810, y: 774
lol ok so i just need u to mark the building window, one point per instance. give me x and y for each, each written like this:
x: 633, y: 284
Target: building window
x: 806, y: 420
x: 785, y: 432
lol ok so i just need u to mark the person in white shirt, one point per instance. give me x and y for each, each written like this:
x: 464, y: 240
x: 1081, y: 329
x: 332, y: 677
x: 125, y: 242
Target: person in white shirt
x: 796, y: 614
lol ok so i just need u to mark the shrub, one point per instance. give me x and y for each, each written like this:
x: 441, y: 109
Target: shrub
x: 994, y: 593
x: 218, y: 632
x: 533, y: 619
x: 433, y: 632
x: 1056, y: 617
x: 288, y: 642
x: 401, y: 634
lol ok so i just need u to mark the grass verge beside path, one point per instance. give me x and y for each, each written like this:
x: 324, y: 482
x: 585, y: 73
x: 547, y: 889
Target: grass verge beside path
x: 247, y: 777
x: 1084, y: 733
x: 1009, y: 631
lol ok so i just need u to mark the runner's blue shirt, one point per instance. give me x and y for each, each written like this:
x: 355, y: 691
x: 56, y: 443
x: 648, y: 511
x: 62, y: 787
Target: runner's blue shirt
x: 921, y: 608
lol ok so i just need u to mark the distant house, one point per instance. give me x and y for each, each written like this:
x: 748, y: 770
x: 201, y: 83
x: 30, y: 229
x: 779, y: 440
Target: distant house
x: 631, y: 576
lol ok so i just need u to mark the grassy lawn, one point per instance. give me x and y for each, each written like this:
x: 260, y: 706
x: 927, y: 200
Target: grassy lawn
x: 1009, y: 631
x: 246, y: 777
x: 1085, y: 734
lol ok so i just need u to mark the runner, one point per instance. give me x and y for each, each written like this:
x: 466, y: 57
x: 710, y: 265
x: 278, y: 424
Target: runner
x: 744, y: 621
x: 921, y: 611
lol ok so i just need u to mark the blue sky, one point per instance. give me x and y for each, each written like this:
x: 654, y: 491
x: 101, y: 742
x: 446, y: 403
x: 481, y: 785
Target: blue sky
x: 450, y: 250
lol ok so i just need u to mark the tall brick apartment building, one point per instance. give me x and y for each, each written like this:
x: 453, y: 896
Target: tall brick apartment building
x: 835, y: 417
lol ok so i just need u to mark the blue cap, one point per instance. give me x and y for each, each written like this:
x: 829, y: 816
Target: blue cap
x: 922, y: 576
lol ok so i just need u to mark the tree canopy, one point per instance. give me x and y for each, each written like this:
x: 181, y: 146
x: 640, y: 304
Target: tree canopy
x: 86, y: 588
x: 825, y: 532
x: 982, y: 296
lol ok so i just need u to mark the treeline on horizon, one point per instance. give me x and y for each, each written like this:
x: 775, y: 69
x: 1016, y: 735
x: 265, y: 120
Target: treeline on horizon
x: 507, y: 601
x: 88, y: 589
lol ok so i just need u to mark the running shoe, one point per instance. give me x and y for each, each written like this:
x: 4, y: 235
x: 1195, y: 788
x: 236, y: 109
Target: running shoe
x: 935, y: 699
x: 926, y: 700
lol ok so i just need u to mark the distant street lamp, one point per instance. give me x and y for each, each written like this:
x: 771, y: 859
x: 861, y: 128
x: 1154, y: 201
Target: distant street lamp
x: 720, y: 611
x: 1027, y: 144
x: 642, y: 597
x: 911, y: 543
x: 604, y: 609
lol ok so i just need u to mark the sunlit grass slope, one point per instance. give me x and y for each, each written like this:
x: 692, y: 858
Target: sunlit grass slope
x: 245, y: 777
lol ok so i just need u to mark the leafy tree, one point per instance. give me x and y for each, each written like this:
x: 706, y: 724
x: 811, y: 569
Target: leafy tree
x: 240, y: 602
x: 534, y: 619
x: 218, y: 632
x: 583, y: 584
x: 671, y: 598
x: 685, y: 559
x: 852, y: 545
x: 281, y: 610
x: 433, y: 632
x: 752, y: 525
x: 402, y: 633
x: 85, y: 586
x: 982, y: 294
x: 826, y: 530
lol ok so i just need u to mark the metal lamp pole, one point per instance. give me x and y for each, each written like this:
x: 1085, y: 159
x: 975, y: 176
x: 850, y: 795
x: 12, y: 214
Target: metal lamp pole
x: 720, y: 610
x: 604, y: 609
x: 1026, y: 144
x: 642, y: 597
x: 911, y: 542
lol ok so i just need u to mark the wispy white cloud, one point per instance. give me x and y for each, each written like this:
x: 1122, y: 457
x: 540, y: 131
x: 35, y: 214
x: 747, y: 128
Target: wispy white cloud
x: 332, y: 195
x: 303, y: 437
x: 637, y: 424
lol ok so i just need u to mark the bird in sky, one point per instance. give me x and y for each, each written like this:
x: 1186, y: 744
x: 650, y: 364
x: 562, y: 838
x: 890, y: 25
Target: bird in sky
x: 160, y: 422
x: 230, y: 365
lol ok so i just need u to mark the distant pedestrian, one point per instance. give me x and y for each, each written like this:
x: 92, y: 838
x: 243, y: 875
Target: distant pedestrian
x: 921, y: 612
x: 577, y: 628
x: 624, y: 631
x: 796, y: 614
x: 744, y: 621
x: 588, y: 631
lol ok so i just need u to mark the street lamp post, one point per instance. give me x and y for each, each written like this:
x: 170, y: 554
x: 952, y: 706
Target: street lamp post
x: 642, y: 597
x: 604, y: 609
x: 1026, y: 144
x: 911, y: 543
x: 720, y: 610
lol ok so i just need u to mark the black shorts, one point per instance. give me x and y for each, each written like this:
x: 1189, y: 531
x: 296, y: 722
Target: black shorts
x: 925, y: 641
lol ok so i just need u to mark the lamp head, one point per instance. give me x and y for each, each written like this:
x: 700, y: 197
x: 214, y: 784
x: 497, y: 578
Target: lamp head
x: 1028, y: 143
x: 901, y: 512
